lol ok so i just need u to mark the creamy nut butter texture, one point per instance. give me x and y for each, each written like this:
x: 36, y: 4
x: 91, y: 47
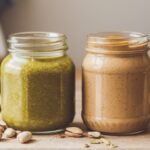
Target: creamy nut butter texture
x: 115, y: 74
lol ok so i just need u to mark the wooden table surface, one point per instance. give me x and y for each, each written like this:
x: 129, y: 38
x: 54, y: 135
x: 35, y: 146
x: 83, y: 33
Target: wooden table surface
x: 54, y: 142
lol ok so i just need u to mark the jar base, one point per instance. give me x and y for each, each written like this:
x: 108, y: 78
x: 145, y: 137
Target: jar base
x: 117, y: 126
x: 48, y: 132
x: 124, y: 134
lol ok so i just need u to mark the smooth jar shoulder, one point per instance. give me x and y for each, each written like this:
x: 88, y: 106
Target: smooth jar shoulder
x: 116, y: 63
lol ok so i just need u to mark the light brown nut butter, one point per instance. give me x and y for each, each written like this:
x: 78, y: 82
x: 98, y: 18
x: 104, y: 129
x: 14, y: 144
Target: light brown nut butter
x: 24, y: 137
x: 9, y: 133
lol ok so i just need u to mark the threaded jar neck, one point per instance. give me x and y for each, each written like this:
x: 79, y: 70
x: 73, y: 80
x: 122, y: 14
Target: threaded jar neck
x: 117, y: 42
x: 37, y: 43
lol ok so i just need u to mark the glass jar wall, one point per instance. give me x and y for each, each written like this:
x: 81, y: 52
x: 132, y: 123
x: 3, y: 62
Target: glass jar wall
x: 115, y: 74
x: 38, y: 83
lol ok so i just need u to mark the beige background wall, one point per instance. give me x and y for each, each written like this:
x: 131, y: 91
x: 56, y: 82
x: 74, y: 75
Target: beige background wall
x: 77, y: 18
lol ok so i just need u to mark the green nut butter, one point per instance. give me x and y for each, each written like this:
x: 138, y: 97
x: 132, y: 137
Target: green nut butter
x: 38, y: 84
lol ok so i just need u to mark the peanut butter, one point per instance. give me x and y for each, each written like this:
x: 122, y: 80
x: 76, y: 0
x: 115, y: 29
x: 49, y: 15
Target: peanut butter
x: 115, y: 75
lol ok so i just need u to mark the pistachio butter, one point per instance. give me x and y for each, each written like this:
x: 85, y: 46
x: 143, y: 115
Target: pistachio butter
x: 38, y: 87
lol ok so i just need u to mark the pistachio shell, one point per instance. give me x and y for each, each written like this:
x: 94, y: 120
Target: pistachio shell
x: 72, y: 134
x: 94, y: 134
x: 24, y: 137
x: 3, y: 124
x: 9, y: 132
x: 75, y: 130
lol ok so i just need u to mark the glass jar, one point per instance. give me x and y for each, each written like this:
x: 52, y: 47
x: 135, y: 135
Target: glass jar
x: 38, y: 83
x: 115, y: 75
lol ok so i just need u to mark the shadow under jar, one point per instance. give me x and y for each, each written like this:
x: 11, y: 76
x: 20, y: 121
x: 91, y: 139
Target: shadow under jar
x: 115, y: 74
x: 38, y: 83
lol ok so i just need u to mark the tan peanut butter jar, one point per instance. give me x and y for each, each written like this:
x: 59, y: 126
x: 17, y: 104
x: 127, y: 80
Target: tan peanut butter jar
x: 116, y: 72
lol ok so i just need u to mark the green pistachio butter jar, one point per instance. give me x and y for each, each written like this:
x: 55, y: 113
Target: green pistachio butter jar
x: 38, y: 83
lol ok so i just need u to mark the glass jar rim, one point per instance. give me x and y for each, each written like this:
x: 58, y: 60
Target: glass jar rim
x: 116, y: 36
x: 36, y: 35
x: 37, y: 41
x: 124, y: 41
